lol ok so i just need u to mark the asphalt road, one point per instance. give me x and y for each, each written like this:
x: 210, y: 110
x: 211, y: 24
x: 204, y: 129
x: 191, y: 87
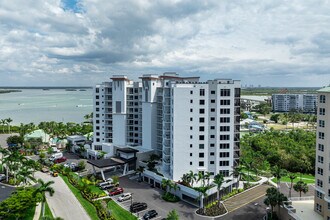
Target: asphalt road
x: 5, y: 191
x: 63, y: 203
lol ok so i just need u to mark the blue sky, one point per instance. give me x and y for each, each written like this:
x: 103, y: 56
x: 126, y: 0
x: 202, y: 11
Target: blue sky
x: 70, y: 42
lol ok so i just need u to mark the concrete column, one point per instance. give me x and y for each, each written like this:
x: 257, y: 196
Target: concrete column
x: 102, y: 173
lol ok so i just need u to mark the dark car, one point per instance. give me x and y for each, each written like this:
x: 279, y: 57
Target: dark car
x: 116, y: 191
x: 138, y: 206
x: 150, y: 214
x: 60, y: 160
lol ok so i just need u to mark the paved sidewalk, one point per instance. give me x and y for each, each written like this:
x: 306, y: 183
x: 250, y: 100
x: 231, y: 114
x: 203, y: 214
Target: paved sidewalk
x: 63, y: 203
x: 37, y: 212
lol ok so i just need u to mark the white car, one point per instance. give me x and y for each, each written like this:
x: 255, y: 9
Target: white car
x: 110, y: 180
x: 2, y: 177
x: 124, y: 197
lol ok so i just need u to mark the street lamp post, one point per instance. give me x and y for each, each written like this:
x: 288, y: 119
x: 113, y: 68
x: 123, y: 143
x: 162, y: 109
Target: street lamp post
x: 130, y: 208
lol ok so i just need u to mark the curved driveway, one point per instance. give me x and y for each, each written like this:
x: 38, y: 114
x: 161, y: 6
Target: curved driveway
x: 63, y: 203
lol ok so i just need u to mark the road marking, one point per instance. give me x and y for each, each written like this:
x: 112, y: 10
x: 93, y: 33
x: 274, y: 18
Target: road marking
x: 246, y: 203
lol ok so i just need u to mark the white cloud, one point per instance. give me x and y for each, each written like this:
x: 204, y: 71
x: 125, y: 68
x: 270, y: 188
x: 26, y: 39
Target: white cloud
x: 283, y: 43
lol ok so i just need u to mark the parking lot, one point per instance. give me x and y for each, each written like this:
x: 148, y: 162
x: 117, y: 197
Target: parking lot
x: 142, y: 192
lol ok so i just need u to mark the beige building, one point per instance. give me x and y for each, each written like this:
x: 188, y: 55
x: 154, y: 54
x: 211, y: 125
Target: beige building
x: 322, y: 163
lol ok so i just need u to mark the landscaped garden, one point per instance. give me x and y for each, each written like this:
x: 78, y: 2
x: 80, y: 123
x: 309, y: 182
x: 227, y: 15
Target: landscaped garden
x: 118, y: 212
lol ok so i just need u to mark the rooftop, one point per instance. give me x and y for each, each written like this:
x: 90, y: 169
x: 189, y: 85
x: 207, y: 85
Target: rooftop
x: 324, y: 89
x: 305, y: 210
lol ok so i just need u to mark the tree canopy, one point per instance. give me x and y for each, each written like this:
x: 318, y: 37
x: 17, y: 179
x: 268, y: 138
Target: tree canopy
x: 292, y: 150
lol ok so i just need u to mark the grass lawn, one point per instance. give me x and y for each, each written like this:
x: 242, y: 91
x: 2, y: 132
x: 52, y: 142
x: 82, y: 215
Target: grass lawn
x: 90, y: 209
x: 119, y: 213
x: 30, y: 213
x: 252, y: 178
x: 307, y: 178
x: 48, y: 212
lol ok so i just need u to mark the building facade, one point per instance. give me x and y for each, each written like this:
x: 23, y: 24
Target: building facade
x: 193, y: 125
x: 322, y: 163
x: 298, y: 102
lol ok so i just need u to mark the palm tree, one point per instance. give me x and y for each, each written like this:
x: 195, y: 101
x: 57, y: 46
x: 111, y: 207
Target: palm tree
x: 300, y: 186
x: 249, y: 167
x: 192, y: 177
x: 9, y: 120
x: 207, y: 177
x: 166, y: 184
x: 3, y: 122
x: 218, y: 180
x: 278, y: 172
x: 41, y: 190
x: 238, y: 173
x: 185, y: 179
x: 201, y: 177
x: 140, y: 170
x: 25, y: 174
x: 175, y: 187
x: 273, y: 198
x: 292, y: 176
x: 202, y: 190
x: 172, y: 215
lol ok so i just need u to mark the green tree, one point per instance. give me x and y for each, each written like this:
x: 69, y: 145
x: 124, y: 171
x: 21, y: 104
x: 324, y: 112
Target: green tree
x: 300, y: 187
x: 292, y: 176
x: 41, y: 190
x: 140, y: 171
x: 172, y: 215
x: 8, y: 121
x: 275, y: 117
x: 218, y: 181
x: 278, y: 173
x: 273, y: 198
x: 81, y: 165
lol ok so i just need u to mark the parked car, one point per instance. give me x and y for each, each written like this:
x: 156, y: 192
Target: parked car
x: 60, y: 160
x: 109, y: 180
x: 116, y: 191
x: 124, y: 197
x: 103, y: 183
x: 138, y: 206
x: 2, y: 177
x: 150, y: 214
x: 56, y: 156
x: 108, y: 186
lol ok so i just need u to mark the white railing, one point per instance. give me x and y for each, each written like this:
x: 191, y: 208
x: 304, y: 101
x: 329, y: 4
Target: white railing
x: 294, y: 215
x: 302, y: 198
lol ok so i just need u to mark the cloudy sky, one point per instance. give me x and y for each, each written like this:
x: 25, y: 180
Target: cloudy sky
x: 83, y: 42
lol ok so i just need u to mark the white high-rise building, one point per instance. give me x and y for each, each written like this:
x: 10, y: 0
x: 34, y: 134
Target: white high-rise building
x: 297, y: 102
x: 193, y: 125
x: 322, y: 163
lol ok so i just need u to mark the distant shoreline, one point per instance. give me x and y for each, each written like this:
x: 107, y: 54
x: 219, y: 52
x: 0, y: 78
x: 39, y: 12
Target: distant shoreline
x: 44, y: 87
x: 9, y: 91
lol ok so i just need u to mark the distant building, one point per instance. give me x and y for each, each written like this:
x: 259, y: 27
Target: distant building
x: 193, y: 125
x: 322, y: 173
x: 305, y: 103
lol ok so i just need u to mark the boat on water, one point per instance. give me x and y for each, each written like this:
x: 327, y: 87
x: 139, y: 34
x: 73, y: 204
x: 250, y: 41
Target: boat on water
x: 70, y: 90
x: 82, y: 89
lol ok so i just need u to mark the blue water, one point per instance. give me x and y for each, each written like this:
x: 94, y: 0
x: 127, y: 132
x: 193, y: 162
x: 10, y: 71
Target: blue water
x: 36, y: 105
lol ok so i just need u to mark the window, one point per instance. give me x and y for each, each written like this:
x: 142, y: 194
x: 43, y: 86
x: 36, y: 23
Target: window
x: 190, y: 163
x: 191, y: 137
x: 211, y: 153
x: 191, y: 154
x: 224, y: 137
x: 201, y: 128
x: 321, y: 123
x: 201, y: 146
x: 201, y: 120
x: 191, y: 101
x: 321, y: 135
x: 201, y: 163
x: 321, y: 147
x: 212, y: 127
x: 319, y: 183
x: 212, y: 100
x: 328, y: 208
x: 322, y: 98
x: 191, y: 92
x: 97, y: 90
x: 201, y: 111
x: 191, y: 119
x: 322, y: 111
x: 211, y: 145
x: 224, y: 154
x: 98, y: 147
x: 212, y: 109
x: 191, y: 128
x: 225, y: 173
x: 191, y: 110
x: 201, y: 155
x: 212, y: 136
x: 224, y: 128
x: 224, y: 163
x: 224, y: 111
x: 225, y: 102
x: 201, y: 137
x: 320, y: 171
x: 202, y: 102
x: 319, y: 194
x: 225, y: 92
x: 318, y: 207
x: 224, y: 119
x: 191, y: 145
x: 212, y: 92
x: 224, y: 146
x: 320, y: 159
x: 212, y: 119
x: 211, y: 162
x: 202, y: 92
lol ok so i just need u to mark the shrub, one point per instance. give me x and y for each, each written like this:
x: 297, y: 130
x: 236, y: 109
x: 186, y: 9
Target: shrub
x: 213, y: 210
x: 234, y: 192
x: 169, y: 197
